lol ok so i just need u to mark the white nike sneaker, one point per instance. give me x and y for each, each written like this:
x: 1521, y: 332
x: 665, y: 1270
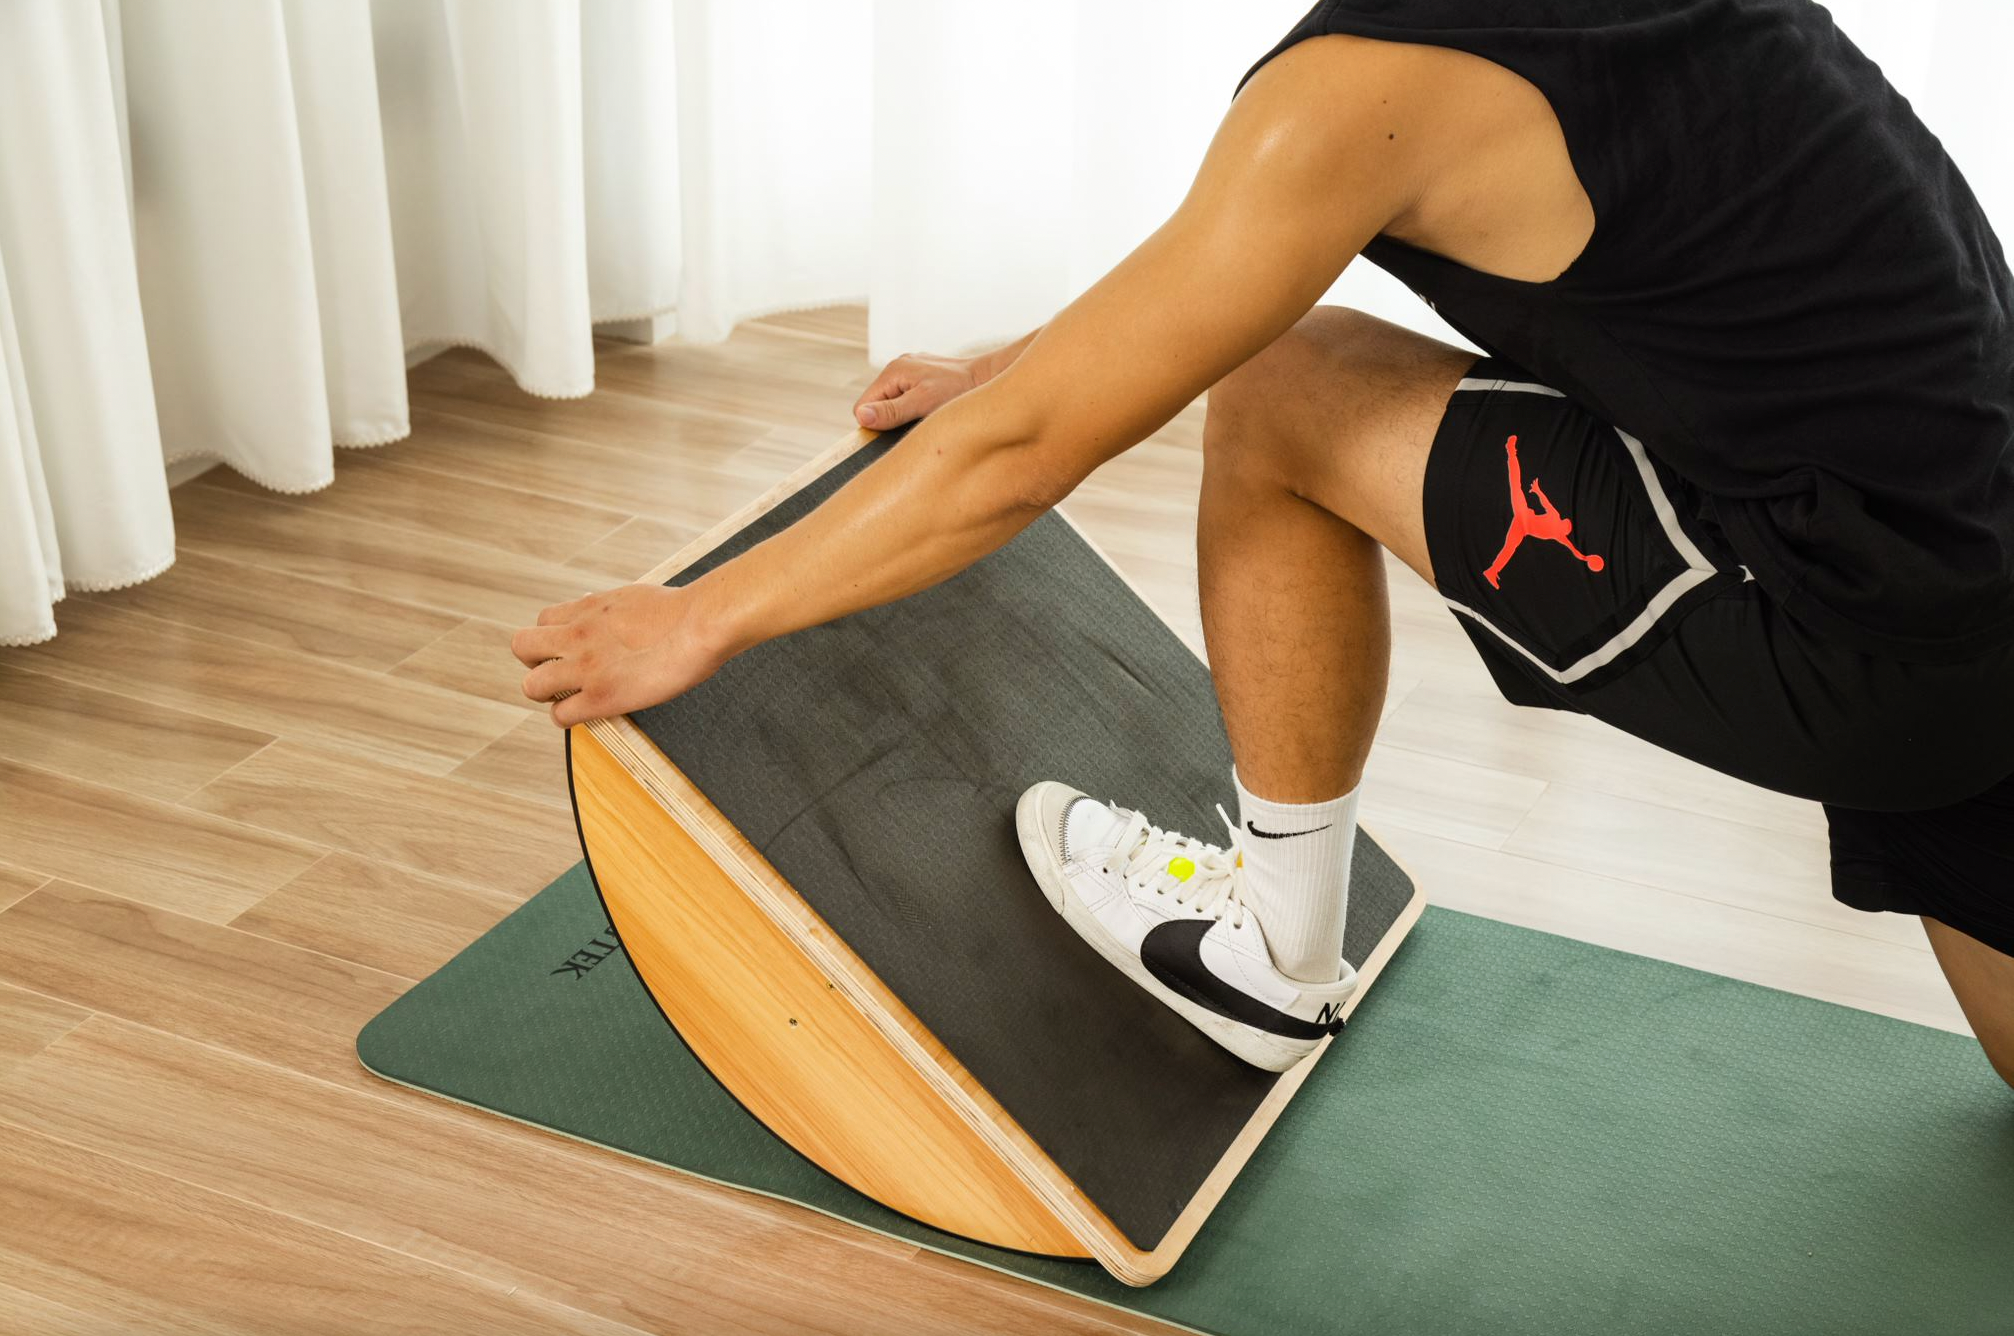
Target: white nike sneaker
x: 1167, y: 910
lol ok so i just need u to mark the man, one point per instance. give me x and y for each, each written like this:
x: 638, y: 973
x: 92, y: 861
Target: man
x: 1745, y: 320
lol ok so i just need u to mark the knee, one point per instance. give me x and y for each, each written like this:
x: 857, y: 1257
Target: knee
x: 1251, y: 423
x: 1321, y: 346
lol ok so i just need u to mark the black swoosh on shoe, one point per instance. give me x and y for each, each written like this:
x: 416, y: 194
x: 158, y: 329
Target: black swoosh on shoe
x: 1173, y: 954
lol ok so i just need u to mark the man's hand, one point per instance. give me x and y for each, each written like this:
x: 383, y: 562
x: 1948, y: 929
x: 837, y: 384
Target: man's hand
x: 618, y: 651
x: 913, y: 385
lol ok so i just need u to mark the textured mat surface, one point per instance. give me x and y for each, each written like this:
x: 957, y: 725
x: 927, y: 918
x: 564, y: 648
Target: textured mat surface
x: 1518, y: 1135
x: 876, y: 761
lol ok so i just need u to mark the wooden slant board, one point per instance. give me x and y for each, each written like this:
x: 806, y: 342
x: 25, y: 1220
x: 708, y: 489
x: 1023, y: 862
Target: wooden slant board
x: 798, y: 1025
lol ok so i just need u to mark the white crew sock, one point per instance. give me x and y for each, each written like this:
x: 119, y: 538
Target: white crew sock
x: 1297, y: 878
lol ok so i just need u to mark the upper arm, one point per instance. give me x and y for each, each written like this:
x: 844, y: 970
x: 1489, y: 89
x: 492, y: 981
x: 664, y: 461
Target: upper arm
x: 1321, y: 151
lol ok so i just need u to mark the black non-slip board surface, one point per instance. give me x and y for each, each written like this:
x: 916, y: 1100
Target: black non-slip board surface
x: 875, y: 763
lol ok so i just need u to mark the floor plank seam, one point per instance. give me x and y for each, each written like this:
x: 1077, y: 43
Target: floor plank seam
x: 1739, y: 904
x: 316, y: 1226
x: 1732, y: 818
x: 314, y: 501
x: 751, y: 1205
x: 55, y: 669
x: 194, y: 543
x: 143, y: 905
x: 569, y: 560
x: 182, y: 800
x: 52, y: 669
x: 481, y: 556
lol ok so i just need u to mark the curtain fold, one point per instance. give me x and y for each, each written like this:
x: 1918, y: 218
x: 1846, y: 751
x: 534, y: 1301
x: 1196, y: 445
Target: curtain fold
x: 774, y: 144
x: 332, y: 64
x: 629, y: 119
x: 80, y: 465
x: 482, y: 110
x: 224, y: 252
x: 225, y: 224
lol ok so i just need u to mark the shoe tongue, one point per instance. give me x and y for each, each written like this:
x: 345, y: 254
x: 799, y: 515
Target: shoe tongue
x: 1088, y: 825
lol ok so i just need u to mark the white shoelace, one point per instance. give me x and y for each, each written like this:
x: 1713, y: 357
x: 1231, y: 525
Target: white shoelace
x: 1145, y: 850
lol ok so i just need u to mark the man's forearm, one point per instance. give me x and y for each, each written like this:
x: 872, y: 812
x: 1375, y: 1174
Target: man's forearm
x: 960, y: 485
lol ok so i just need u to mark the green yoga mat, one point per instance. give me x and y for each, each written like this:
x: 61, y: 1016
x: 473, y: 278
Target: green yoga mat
x: 1518, y: 1134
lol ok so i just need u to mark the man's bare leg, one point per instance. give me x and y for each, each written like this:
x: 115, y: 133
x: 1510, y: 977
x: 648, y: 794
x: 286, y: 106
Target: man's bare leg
x: 1983, y: 980
x: 1314, y: 457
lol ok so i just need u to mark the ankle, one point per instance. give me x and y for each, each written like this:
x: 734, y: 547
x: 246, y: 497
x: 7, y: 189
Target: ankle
x: 1296, y: 879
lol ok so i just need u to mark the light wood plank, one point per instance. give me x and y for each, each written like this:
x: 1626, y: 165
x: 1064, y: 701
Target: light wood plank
x: 410, y: 1174
x: 30, y: 1022
x: 271, y: 690
x: 154, y: 852
x: 113, y: 739
x: 1726, y: 862
x: 1891, y: 977
x: 1452, y: 799
x: 251, y: 601
x: 376, y: 487
x: 437, y: 825
x: 16, y: 883
x: 143, y: 1252
x: 845, y: 325
x: 647, y: 395
x: 802, y: 382
x: 44, y: 1316
x: 1061, y: 1311
x: 474, y: 659
x: 217, y: 985
x: 1574, y: 749
x: 644, y: 426
x: 692, y: 488
x: 389, y: 918
x: 426, y: 569
x: 633, y: 549
x: 527, y: 762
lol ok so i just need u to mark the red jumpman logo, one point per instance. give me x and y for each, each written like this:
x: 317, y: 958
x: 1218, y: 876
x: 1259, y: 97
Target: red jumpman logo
x: 1527, y: 522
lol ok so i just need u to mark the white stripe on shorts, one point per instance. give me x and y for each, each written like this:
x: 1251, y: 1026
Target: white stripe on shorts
x: 1490, y: 383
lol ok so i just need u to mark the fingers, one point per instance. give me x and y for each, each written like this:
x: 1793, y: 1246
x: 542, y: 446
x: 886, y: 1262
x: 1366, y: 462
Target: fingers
x: 549, y: 680
x: 897, y: 378
x: 535, y: 644
x: 905, y: 407
x: 560, y: 613
x: 576, y: 709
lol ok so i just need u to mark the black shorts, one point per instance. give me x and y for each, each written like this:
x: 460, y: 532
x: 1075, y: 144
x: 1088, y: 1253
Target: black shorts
x: 1591, y: 579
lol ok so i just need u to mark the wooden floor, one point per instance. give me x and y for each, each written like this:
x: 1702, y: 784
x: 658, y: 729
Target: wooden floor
x: 243, y: 807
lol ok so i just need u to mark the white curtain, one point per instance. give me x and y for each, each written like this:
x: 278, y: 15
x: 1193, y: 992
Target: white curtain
x: 224, y: 224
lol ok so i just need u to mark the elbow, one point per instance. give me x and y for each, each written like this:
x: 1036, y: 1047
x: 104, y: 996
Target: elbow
x: 1026, y: 477
x: 1018, y: 462
x: 1040, y: 485
x: 1044, y: 465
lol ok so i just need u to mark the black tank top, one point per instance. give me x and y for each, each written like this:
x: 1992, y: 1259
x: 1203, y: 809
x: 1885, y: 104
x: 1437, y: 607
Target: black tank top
x: 1791, y: 296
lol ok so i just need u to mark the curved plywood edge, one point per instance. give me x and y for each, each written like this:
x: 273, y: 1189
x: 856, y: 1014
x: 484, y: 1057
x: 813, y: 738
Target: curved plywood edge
x: 728, y: 851
x: 779, y: 1035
